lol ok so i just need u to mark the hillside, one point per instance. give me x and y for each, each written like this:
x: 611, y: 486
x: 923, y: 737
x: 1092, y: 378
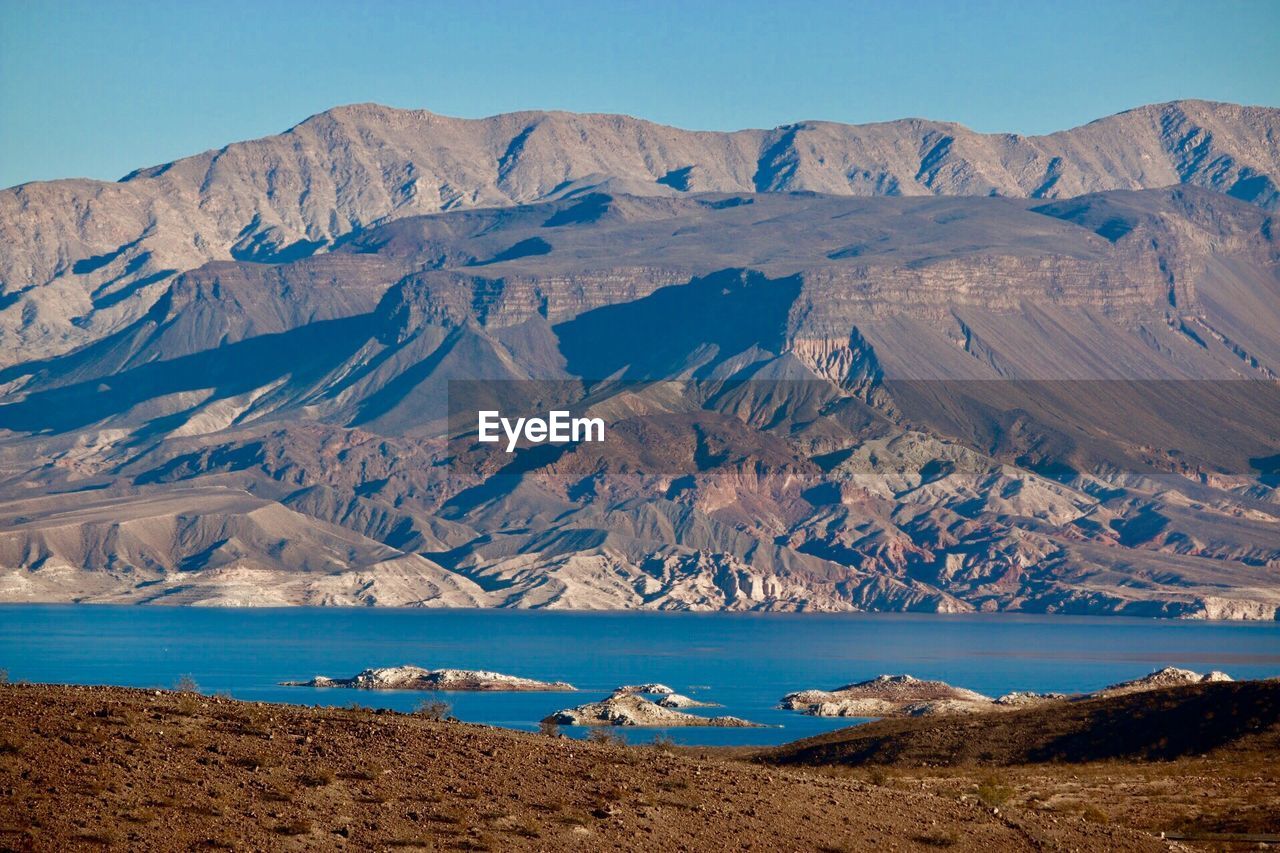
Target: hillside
x: 86, y: 768
x: 895, y: 367
x: 1192, y: 764
x: 815, y: 402
x: 1152, y: 725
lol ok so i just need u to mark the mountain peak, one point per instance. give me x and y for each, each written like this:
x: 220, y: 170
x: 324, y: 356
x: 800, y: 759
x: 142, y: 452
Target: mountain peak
x: 355, y: 165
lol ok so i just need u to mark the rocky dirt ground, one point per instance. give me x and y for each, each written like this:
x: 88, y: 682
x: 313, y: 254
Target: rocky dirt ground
x: 1226, y: 801
x: 99, y: 767
x: 1197, y: 763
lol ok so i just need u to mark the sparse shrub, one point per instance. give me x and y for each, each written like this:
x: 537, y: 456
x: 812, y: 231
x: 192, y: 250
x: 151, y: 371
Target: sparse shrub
x: 105, y: 837
x: 525, y: 830
x: 433, y: 709
x: 992, y: 791
x: 252, y: 722
x: 190, y: 741
x: 4, y: 676
x: 604, y: 737
x: 878, y: 775
x: 366, y: 774
x: 318, y: 777
x: 1095, y: 814
x: 252, y: 761
x: 205, y: 809
x: 188, y: 696
x: 300, y: 826
x: 938, y: 839
x: 549, y: 728
x: 662, y: 740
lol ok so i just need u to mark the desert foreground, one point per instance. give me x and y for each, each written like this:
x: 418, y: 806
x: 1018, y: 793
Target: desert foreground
x: 103, y: 767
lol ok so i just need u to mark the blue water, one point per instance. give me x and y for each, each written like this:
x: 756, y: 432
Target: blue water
x: 744, y: 661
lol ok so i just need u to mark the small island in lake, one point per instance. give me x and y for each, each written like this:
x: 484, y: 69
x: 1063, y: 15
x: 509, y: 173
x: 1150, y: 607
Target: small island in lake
x: 418, y: 678
x: 905, y: 696
x: 629, y: 706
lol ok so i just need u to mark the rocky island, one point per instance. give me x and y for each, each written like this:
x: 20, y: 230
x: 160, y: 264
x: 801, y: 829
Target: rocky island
x: 417, y: 678
x: 628, y: 706
x: 905, y: 696
x: 1169, y: 676
x: 887, y: 696
x: 669, y: 698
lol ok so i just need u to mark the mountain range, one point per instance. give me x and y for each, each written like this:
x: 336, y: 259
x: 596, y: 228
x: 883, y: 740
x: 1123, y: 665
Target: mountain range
x: 901, y: 366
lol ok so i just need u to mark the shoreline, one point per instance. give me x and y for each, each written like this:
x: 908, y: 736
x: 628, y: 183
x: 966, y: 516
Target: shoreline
x: 1011, y: 616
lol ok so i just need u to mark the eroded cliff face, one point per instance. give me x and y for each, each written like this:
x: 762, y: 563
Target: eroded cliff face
x: 813, y: 403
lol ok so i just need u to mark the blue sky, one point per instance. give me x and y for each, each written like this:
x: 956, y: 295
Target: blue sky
x: 98, y: 88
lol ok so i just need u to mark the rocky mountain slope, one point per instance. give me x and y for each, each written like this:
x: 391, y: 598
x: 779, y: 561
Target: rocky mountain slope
x: 80, y: 259
x: 814, y: 401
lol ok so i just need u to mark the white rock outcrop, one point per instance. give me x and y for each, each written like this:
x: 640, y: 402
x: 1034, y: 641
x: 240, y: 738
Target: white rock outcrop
x: 1169, y: 676
x: 418, y: 678
x: 888, y: 696
x: 632, y: 709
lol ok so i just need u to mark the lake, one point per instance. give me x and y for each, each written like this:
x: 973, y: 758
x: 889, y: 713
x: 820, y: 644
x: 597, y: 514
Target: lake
x: 746, y: 662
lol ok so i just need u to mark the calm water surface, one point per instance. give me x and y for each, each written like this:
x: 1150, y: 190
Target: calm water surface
x: 744, y: 661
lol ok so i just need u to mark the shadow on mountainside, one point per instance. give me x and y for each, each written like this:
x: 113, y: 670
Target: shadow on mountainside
x: 702, y: 322
x: 302, y: 353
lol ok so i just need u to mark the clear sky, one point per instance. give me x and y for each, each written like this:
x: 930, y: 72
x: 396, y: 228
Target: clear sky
x: 98, y: 88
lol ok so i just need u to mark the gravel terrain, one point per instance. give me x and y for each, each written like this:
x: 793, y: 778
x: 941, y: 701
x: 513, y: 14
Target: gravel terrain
x: 95, y: 767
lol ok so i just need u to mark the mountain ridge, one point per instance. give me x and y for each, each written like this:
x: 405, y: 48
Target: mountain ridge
x: 80, y: 259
